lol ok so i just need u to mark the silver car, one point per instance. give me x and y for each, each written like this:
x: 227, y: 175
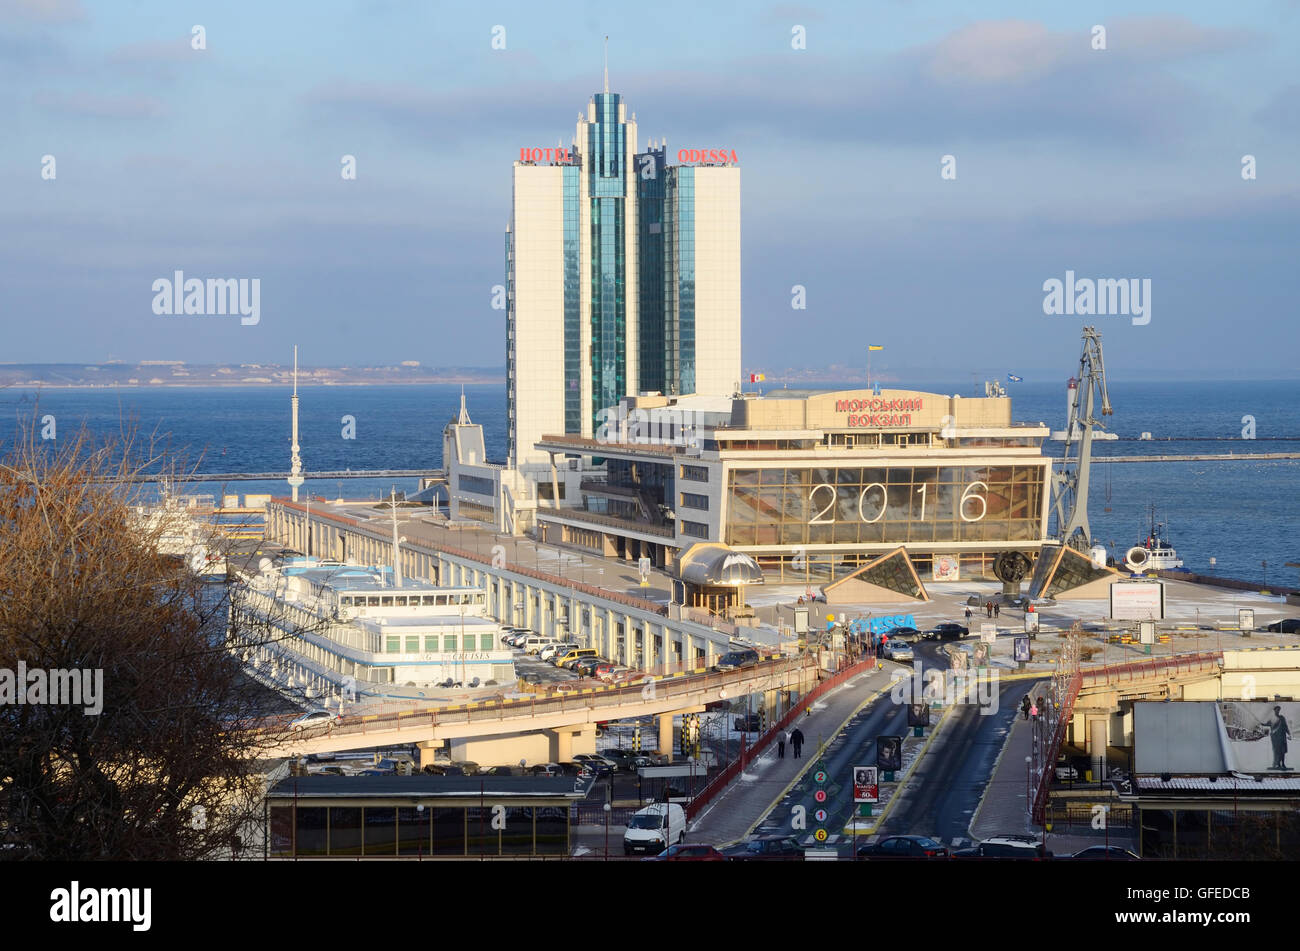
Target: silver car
x: 897, y: 650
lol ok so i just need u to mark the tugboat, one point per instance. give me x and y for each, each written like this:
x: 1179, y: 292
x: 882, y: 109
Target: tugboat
x: 1154, y: 553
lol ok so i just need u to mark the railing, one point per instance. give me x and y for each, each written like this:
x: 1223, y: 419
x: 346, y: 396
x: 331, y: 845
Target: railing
x: 724, y: 778
x: 1170, y: 666
x: 613, y: 521
x: 1049, y: 747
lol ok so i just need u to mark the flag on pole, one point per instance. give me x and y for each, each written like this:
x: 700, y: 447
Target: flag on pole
x: 757, y: 377
x: 875, y: 348
x: 1013, y: 378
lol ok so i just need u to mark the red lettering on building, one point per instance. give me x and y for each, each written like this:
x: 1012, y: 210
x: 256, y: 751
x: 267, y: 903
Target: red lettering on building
x: 708, y: 156
x: 558, y: 156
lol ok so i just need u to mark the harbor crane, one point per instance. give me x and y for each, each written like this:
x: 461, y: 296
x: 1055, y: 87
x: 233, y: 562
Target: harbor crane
x: 1070, y: 483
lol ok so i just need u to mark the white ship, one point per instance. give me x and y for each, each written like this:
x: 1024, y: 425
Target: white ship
x: 1154, y: 553
x: 332, y: 632
x: 178, y: 533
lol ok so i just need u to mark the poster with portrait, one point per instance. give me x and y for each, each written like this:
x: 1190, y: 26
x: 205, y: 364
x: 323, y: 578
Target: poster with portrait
x: 958, y: 660
x: 866, y: 787
x: 1260, y: 734
x: 918, y: 714
x: 980, y: 654
x: 889, y: 753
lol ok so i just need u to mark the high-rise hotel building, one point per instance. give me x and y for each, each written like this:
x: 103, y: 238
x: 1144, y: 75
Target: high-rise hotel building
x: 622, y: 277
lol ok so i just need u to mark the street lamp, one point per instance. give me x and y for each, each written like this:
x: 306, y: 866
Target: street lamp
x: 608, y: 810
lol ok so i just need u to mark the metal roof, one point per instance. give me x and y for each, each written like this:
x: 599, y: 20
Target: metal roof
x: 424, y: 786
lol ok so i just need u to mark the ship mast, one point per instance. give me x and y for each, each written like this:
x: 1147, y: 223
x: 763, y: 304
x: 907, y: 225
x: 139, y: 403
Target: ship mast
x: 397, y: 553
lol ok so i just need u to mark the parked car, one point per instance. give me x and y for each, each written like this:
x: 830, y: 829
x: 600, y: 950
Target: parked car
x: 466, y: 767
x: 536, y: 649
x: 603, y: 671
x: 654, y: 828
x: 313, y: 719
x: 897, y: 650
x: 627, y: 759
x: 904, y: 847
x: 587, y: 666
x: 555, y: 652
x: 1106, y: 853
x: 1025, y: 847
x: 595, y: 758
x: 503, y: 771
x: 947, y: 631
x: 573, y: 656
x: 687, y: 853
x: 1287, y: 625
x: 733, y: 660
x: 765, y: 848
x: 547, y: 769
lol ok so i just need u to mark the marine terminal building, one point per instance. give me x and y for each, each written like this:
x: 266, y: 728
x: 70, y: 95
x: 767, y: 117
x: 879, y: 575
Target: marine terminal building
x: 812, y: 485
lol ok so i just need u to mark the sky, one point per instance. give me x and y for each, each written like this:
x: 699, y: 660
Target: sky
x: 1117, y: 163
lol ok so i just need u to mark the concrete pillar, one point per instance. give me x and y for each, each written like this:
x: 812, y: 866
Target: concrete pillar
x: 427, y: 750
x: 1098, y: 733
x: 666, y: 735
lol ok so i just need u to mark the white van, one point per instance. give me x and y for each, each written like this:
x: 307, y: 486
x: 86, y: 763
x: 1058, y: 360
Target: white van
x: 533, y: 643
x: 654, y: 828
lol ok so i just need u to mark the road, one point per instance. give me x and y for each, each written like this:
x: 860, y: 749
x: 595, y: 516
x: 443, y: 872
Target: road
x: 944, y: 789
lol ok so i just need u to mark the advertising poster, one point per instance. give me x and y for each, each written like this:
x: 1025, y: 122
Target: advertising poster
x: 1259, y: 734
x: 918, y: 714
x: 946, y: 568
x: 1137, y: 601
x: 980, y: 655
x: 866, y: 787
x: 1021, y: 648
x: 889, y: 753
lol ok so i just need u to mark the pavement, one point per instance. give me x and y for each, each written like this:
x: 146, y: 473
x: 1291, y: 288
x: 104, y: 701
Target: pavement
x: 1004, y: 808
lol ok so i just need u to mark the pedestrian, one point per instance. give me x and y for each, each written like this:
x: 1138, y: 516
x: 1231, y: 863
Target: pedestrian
x: 1033, y: 713
x: 968, y: 614
x: 997, y: 609
x: 796, y: 741
x: 780, y: 744
x: 1278, y: 733
x: 1025, y: 704
x: 988, y: 609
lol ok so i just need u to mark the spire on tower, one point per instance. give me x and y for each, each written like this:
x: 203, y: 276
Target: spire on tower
x: 607, y: 63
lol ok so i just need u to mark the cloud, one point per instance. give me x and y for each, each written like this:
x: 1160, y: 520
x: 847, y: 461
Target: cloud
x: 102, y: 107
x: 42, y: 11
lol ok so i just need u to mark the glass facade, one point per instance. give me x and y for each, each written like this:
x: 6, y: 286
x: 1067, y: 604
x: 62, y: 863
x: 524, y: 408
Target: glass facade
x: 650, y: 179
x: 897, y: 505
x: 389, y: 830
x: 572, y: 301
x: 606, y: 160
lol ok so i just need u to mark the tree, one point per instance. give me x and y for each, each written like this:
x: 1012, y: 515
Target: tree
x: 162, y: 760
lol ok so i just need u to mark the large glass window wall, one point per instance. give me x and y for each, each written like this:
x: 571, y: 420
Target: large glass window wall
x: 897, y: 505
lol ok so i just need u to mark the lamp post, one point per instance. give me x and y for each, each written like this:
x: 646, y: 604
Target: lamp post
x: 608, y: 810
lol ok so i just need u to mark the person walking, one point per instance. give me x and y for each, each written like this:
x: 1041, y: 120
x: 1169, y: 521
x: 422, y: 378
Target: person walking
x: 796, y: 741
x: 988, y: 609
x: 997, y: 609
x: 780, y: 744
x: 1025, y: 704
x: 968, y: 614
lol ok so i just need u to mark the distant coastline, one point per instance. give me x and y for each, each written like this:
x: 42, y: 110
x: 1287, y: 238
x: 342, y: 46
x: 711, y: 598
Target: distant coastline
x: 177, y: 375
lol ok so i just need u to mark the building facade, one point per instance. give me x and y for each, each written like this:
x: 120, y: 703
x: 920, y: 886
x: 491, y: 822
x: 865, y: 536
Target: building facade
x: 812, y: 485
x: 622, y: 276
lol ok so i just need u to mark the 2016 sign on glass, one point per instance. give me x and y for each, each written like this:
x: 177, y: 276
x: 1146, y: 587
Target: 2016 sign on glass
x: 971, y: 494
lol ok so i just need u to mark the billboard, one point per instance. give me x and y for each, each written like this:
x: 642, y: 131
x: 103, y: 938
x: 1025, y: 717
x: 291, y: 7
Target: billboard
x: 1021, y: 648
x: 1259, y: 733
x: 1137, y: 600
x: 980, y: 655
x: 918, y: 714
x: 889, y: 753
x: 866, y: 787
